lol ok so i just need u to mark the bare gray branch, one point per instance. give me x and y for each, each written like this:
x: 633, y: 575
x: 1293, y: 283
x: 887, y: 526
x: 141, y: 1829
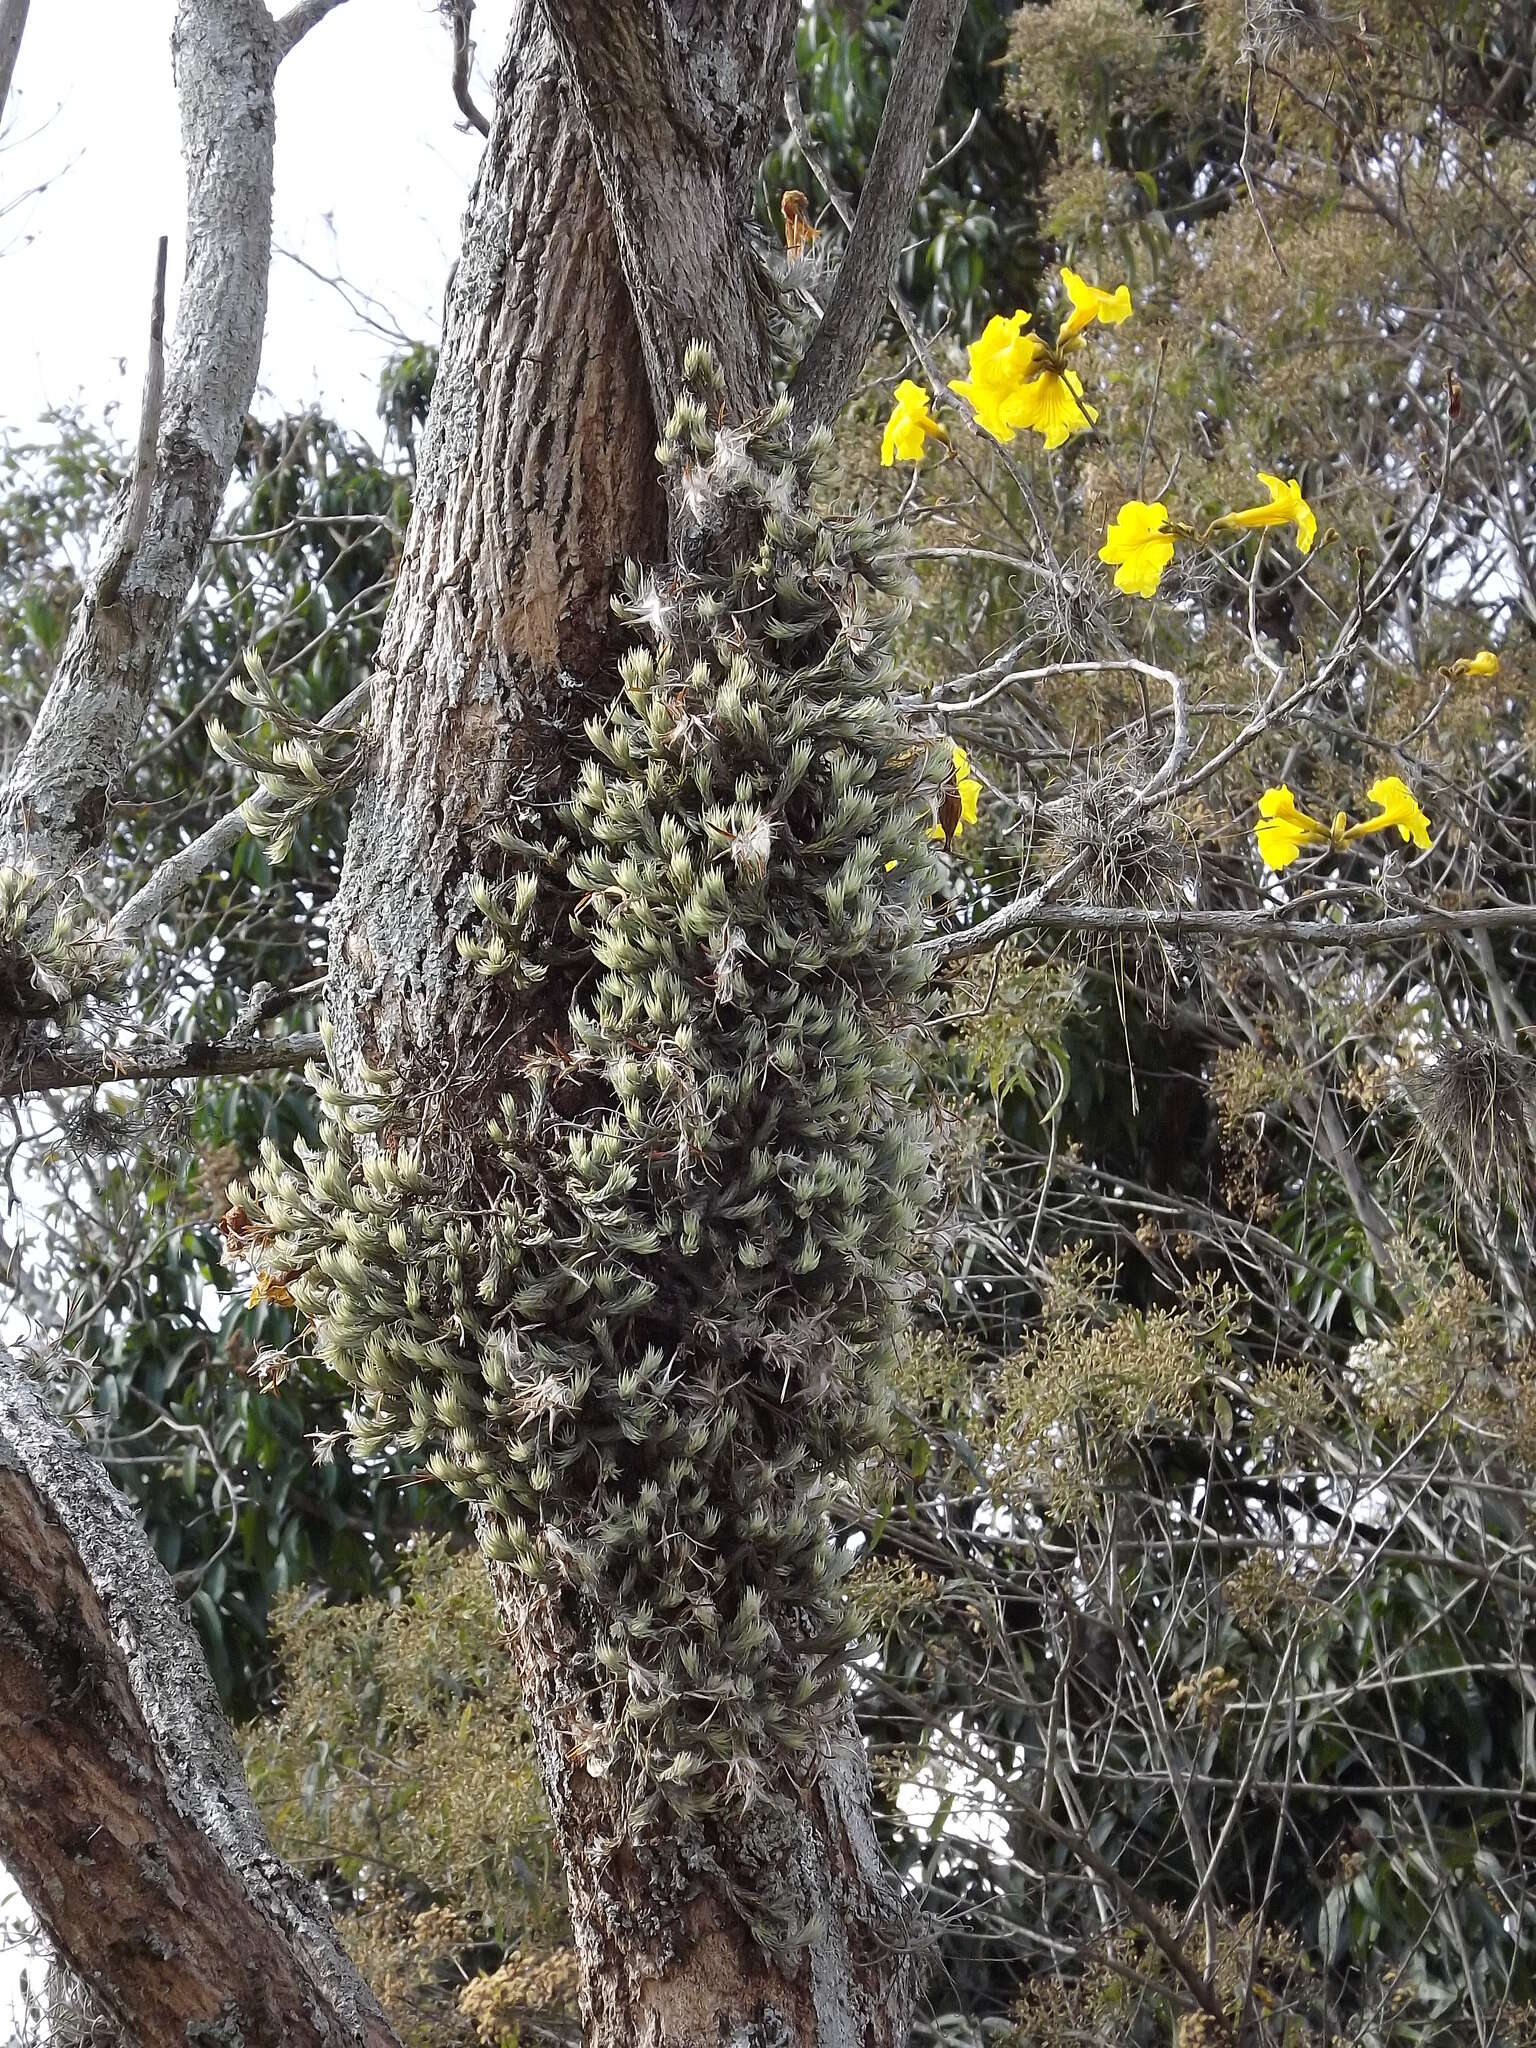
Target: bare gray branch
x: 459, y: 13
x: 1111, y: 920
x: 92, y: 1066
x: 296, y: 24
x: 13, y: 21
x: 109, y: 580
x: 149, y: 903
x: 54, y: 808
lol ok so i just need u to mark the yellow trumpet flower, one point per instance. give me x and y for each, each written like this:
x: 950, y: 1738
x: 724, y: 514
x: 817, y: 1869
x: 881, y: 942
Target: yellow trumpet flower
x: 1089, y: 303
x: 1284, y: 829
x: 1138, y: 543
x: 909, y: 429
x: 1484, y: 663
x: 1396, y: 806
x: 957, y: 805
x: 1051, y: 404
x: 1000, y: 358
x: 1286, y: 507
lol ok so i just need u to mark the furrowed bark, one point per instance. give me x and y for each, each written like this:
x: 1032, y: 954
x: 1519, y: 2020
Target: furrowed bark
x: 54, y: 809
x: 677, y: 100
x: 537, y: 479
x: 124, y: 1815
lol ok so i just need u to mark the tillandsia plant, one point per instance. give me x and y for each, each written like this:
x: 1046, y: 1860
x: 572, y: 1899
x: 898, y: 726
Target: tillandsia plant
x: 54, y: 954
x: 646, y: 1343
x: 297, y: 762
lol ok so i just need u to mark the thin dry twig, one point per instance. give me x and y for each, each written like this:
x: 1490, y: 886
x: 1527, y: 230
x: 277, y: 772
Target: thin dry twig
x: 458, y: 14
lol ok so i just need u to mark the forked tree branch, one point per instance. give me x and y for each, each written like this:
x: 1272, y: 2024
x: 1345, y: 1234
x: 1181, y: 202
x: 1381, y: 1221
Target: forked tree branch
x: 124, y: 1813
x: 847, y: 331
x: 296, y: 24
x: 677, y: 99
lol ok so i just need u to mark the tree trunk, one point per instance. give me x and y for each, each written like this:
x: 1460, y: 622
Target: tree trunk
x: 537, y: 480
x: 55, y: 806
x: 123, y: 1810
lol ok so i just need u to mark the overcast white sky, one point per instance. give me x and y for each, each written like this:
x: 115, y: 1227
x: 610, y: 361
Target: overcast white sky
x: 373, y: 166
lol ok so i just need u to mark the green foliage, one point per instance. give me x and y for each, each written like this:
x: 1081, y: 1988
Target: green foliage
x: 129, y: 1286
x: 1087, y: 66
x: 54, y: 494
x: 1219, y: 1574
x: 401, y: 1766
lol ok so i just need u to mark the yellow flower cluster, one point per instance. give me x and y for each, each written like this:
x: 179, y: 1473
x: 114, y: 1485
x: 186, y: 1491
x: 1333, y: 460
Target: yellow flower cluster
x: 1140, y: 538
x: 1015, y: 381
x: 1284, y: 829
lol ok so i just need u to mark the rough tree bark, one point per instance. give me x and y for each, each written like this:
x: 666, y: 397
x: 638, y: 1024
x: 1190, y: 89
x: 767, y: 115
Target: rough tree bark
x: 124, y: 1815
x: 13, y: 22
x: 677, y: 103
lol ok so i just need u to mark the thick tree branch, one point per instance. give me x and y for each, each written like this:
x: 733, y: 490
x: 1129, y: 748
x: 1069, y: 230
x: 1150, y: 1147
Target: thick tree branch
x: 92, y: 1066
x: 124, y: 1815
x: 1357, y: 935
x: 13, y: 21
x: 54, y: 808
x: 296, y: 24
x: 677, y: 99
x: 842, y: 342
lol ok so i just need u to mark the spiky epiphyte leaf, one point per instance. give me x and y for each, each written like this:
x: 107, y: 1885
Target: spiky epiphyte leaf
x: 296, y: 761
